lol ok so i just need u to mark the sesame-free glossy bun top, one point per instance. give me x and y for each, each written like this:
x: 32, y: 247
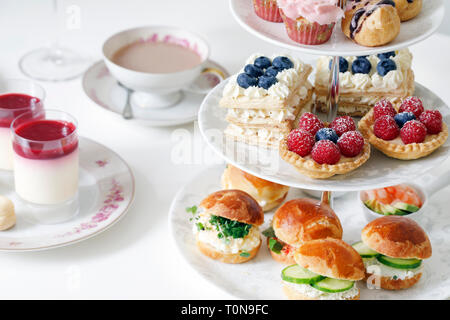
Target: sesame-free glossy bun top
x: 397, y: 237
x: 301, y: 220
x: 235, y: 205
x: 331, y: 258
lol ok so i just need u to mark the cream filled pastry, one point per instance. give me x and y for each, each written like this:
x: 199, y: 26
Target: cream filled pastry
x: 265, y: 98
x: 7, y: 214
x: 268, y: 194
x: 366, y: 80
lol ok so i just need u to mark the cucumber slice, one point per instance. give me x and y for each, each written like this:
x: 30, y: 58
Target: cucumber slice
x: 297, y: 274
x: 399, y: 263
x: 391, y: 210
x: 406, y: 207
x: 364, y: 251
x: 331, y: 285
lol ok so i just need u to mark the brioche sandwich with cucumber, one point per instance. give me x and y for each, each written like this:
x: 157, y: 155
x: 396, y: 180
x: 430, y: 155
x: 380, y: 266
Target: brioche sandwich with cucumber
x: 268, y: 194
x: 326, y: 269
x: 226, y: 226
x: 297, y: 221
x: 392, y: 249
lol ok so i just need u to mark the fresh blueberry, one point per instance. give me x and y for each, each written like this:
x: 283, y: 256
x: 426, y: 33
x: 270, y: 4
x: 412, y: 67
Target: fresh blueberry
x: 262, y: 62
x: 343, y: 64
x: 327, y: 134
x: 384, y: 66
x: 272, y: 72
x: 361, y: 65
x: 404, y: 117
x: 245, y: 81
x: 386, y: 55
x: 282, y: 63
x: 266, y: 82
x: 253, y: 71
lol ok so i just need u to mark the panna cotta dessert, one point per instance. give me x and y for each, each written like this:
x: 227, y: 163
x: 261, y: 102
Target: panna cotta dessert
x: 45, y: 156
x: 16, y: 98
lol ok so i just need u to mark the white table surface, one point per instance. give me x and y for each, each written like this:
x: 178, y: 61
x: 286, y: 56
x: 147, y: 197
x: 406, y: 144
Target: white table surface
x: 136, y: 258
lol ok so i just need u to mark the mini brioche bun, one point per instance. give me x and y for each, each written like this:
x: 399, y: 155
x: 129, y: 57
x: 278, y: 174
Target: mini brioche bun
x: 292, y: 294
x: 331, y: 258
x: 397, y: 237
x: 301, y: 220
x: 282, y: 257
x: 232, y: 258
x: 235, y: 205
x: 264, y: 192
x: 390, y: 284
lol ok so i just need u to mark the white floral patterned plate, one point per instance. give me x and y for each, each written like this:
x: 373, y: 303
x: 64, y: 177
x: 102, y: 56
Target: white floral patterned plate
x: 260, y: 278
x: 379, y: 171
x: 105, y: 195
x: 102, y: 88
x: 411, y: 32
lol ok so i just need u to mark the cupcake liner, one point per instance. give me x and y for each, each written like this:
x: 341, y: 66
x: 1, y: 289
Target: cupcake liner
x: 305, y: 32
x: 267, y: 10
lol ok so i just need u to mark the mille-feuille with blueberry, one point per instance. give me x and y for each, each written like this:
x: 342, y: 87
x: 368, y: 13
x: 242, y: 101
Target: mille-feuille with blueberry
x: 365, y: 80
x: 265, y: 98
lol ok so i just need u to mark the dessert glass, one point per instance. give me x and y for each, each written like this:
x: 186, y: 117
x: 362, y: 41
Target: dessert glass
x: 45, y: 158
x: 16, y: 98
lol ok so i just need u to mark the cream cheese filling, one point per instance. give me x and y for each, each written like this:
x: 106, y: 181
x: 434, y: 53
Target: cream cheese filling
x: 228, y: 244
x: 373, y: 266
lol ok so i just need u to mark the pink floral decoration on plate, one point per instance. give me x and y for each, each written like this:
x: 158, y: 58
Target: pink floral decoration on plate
x: 101, y: 163
x: 111, y: 203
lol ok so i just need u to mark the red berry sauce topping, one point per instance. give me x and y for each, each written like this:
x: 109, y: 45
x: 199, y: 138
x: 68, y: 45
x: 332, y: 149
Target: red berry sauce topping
x: 351, y: 143
x: 383, y: 108
x: 386, y: 128
x: 412, y: 104
x: 301, y: 142
x: 326, y: 152
x: 413, y: 132
x: 432, y: 119
x: 342, y: 125
x: 310, y: 123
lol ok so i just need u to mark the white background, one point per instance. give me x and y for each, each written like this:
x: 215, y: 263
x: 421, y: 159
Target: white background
x: 136, y: 258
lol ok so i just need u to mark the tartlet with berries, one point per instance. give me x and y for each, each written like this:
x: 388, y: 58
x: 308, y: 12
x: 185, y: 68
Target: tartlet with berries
x: 320, y: 150
x: 407, y: 134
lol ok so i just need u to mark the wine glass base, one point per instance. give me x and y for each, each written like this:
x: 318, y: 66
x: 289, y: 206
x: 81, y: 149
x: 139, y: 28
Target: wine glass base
x: 48, y: 64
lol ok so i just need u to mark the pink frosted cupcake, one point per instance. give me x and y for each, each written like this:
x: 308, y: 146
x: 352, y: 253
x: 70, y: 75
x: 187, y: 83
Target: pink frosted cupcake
x: 310, y: 21
x: 267, y: 10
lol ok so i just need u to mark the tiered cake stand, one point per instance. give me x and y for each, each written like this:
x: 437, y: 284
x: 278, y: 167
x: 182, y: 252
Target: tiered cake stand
x: 259, y: 279
x: 379, y: 171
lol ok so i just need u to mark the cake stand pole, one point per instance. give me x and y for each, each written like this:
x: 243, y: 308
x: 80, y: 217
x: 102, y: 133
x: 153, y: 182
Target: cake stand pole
x: 333, y: 90
x: 327, y: 198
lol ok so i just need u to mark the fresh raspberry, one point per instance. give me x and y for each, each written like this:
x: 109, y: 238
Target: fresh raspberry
x: 310, y: 123
x: 413, y: 132
x: 383, y: 108
x: 301, y: 142
x: 432, y: 119
x: 326, y: 151
x: 351, y: 143
x: 342, y: 125
x: 386, y: 128
x: 412, y: 104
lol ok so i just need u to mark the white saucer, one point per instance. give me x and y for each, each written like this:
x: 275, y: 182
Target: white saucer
x: 260, y: 277
x: 100, y: 86
x: 105, y: 194
x: 411, y: 32
x: 379, y: 171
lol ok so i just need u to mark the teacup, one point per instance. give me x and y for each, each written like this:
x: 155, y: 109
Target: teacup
x: 161, y: 89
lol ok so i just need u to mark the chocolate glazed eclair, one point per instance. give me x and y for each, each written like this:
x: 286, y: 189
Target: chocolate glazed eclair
x: 371, y: 23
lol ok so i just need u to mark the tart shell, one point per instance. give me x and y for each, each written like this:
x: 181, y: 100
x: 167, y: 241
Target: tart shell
x: 312, y: 169
x: 401, y: 151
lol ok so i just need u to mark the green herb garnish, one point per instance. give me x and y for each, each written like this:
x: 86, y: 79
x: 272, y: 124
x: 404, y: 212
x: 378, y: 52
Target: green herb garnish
x: 245, y: 254
x: 395, y: 277
x: 275, y: 246
x: 269, y: 233
x: 192, y: 209
x: 229, y: 228
x: 200, y: 226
